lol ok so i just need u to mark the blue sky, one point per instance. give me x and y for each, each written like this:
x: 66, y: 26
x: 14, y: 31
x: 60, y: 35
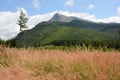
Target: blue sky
x: 42, y: 10
x: 100, y: 8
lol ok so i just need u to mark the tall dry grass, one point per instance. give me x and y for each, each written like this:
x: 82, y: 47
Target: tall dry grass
x: 41, y: 64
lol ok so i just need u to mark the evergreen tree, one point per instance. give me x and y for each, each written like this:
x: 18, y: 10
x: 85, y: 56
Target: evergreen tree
x: 22, y: 21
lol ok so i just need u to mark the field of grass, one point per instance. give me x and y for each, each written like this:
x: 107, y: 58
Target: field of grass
x: 43, y: 64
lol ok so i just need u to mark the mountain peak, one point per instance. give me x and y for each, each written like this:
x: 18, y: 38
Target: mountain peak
x: 61, y: 18
x: 57, y: 16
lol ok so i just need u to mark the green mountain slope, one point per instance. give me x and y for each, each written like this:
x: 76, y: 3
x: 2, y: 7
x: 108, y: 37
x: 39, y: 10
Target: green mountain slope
x: 75, y: 31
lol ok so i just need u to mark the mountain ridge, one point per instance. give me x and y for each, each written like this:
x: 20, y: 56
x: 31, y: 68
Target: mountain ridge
x: 57, y: 31
x: 57, y: 17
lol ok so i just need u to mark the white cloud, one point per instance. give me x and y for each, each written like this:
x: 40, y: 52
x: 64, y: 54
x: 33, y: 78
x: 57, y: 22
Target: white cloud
x: 36, y: 4
x: 69, y: 3
x: 9, y: 28
x: 118, y: 10
x: 91, y: 6
x: 33, y: 20
x: 8, y: 24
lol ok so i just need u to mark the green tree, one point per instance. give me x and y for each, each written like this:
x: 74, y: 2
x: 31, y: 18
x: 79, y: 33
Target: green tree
x: 22, y: 21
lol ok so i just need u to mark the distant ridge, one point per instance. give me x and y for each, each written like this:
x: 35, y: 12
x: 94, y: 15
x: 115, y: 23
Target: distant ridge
x: 61, y: 18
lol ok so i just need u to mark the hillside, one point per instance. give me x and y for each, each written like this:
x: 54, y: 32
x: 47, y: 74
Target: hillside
x: 62, y: 30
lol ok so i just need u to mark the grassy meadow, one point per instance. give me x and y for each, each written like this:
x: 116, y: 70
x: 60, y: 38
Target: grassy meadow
x: 45, y: 64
